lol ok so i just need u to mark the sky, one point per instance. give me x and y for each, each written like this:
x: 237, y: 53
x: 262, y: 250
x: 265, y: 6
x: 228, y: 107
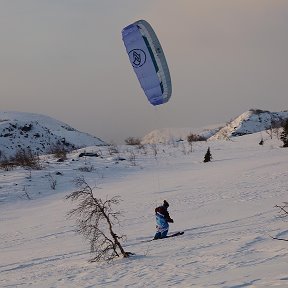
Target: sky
x: 66, y: 59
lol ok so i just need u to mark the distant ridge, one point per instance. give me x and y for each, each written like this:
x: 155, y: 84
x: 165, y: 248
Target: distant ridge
x: 19, y: 130
x: 252, y: 121
x: 171, y: 135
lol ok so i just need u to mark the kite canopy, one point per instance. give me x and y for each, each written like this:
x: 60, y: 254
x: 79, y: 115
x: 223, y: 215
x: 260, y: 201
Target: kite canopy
x: 148, y: 61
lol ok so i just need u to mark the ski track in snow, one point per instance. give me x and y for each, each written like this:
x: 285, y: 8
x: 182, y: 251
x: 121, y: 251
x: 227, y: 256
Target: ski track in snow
x: 225, y: 207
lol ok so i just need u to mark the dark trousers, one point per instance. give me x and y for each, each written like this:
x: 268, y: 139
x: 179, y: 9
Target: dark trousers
x: 160, y: 235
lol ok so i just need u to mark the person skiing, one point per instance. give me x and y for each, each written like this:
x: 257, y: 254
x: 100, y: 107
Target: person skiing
x: 162, y: 221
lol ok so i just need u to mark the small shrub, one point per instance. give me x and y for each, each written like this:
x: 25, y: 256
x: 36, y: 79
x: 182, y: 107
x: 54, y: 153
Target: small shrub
x: 86, y: 168
x: 52, y: 181
x: 26, y: 158
x: 113, y: 149
x: 58, y: 150
x: 132, y: 158
x: 195, y: 137
x: 26, y: 193
x: 154, y: 149
x: 133, y: 141
x: 7, y: 164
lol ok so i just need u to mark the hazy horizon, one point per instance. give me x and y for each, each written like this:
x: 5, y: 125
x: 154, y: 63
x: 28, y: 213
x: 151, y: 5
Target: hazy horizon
x: 66, y: 59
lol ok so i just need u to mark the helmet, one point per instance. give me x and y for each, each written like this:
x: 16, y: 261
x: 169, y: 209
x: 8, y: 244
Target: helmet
x: 165, y: 204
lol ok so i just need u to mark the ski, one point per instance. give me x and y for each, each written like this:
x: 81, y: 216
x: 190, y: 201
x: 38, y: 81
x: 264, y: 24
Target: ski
x: 169, y: 236
x: 175, y: 234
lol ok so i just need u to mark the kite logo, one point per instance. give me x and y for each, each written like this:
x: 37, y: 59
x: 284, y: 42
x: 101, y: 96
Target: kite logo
x: 137, y: 57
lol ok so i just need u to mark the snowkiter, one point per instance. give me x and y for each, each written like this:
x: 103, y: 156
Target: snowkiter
x: 162, y: 221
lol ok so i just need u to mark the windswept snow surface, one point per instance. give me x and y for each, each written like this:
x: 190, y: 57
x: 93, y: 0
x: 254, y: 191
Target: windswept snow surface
x: 226, y: 208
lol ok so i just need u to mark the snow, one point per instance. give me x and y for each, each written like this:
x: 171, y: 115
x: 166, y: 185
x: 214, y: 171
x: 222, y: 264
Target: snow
x: 226, y: 208
x: 20, y: 130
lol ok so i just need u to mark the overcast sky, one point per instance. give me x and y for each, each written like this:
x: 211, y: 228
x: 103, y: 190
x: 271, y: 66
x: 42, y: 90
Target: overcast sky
x: 66, y: 59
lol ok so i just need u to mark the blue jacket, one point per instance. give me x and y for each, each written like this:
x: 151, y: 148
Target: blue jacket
x: 162, y: 219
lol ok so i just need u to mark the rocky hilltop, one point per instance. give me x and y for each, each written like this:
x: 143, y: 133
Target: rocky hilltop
x: 37, y: 132
x: 250, y: 122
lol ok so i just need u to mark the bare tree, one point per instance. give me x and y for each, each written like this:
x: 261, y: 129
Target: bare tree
x: 283, y: 209
x: 113, y: 149
x: 194, y: 138
x: 26, y: 193
x: 52, y: 181
x: 274, y: 128
x: 132, y: 157
x: 190, y: 139
x: 154, y: 149
x: 95, y: 220
x: 269, y: 131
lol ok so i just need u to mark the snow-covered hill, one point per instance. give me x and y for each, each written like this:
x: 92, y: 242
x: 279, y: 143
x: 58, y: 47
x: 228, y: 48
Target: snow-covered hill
x: 172, y: 135
x: 250, y: 122
x: 20, y: 130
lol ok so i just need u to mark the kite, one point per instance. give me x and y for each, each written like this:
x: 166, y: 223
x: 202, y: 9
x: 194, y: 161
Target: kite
x: 148, y: 60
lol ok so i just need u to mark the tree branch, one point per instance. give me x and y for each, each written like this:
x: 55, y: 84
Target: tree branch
x: 276, y: 238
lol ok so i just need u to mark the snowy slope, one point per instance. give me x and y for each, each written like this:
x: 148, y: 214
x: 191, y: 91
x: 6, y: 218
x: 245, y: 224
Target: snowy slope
x: 226, y: 208
x: 250, y: 122
x: 20, y: 130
